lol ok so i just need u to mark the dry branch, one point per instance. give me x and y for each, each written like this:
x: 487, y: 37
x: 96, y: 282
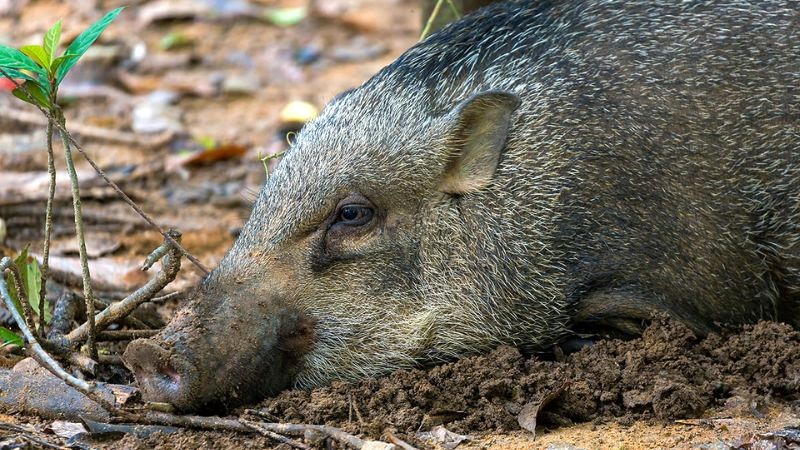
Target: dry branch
x: 80, y: 234
x: 272, y: 435
x: 27, y: 435
x: 249, y: 426
x: 336, y: 434
x: 39, y: 354
x: 48, y: 225
x: 124, y: 335
x: 170, y: 265
x: 171, y: 296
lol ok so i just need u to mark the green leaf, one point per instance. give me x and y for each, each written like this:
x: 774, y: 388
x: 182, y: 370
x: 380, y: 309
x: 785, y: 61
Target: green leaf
x: 31, y: 277
x: 174, y: 40
x: 35, y: 91
x: 207, y: 142
x: 85, y: 40
x: 285, y: 17
x: 37, y: 54
x: 10, y: 338
x: 62, y: 60
x: 12, y: 58
x: 51, y: 39
x: 13, y: 73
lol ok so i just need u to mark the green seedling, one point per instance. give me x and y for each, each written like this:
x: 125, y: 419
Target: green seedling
x: 41, y: 68
x: 31, y: 277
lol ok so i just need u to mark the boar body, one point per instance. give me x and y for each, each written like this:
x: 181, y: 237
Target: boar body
x: 536, y: 169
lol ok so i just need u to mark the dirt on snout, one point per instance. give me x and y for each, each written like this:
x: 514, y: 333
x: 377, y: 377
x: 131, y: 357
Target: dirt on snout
x: 665, y: 375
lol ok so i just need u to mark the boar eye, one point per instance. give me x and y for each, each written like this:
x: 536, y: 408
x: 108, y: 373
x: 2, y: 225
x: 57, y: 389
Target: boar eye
x: 354, y: 215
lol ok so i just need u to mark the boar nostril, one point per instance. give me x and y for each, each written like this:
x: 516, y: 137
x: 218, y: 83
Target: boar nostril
x: 153, y: 369
x: 171, y: 373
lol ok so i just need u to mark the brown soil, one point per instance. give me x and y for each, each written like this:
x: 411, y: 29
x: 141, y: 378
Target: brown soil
x: 667, y: 374
x: 628, y: 391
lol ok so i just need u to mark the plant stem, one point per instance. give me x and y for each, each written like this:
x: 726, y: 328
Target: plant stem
x: 66, y: 135
x: 88, y: 295
x: 431, y: 19
x: 170, y: 265
x: 453, y: 8
x: 48, y: 225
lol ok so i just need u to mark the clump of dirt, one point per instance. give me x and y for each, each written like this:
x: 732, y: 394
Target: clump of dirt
x: 668, y: 373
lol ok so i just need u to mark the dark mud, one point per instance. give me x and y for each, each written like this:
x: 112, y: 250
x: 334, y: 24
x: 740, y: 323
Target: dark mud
x: 667, y: 374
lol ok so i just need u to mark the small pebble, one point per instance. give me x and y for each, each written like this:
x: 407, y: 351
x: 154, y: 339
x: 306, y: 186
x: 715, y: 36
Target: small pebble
x: 298, y: 112
x: 307, y: 55
x: 240, y: 84
x: 561, y: 446
x: 154, y: 113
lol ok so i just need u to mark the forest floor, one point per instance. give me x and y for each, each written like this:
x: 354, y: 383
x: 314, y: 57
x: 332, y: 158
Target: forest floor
x: 178, y: 100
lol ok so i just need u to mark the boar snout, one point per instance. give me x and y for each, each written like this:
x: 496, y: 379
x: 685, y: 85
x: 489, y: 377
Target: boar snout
x: 163, y: 375
x: 222, y: 360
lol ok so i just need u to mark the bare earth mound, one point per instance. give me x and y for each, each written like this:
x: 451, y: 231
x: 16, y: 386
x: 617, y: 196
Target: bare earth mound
x: 666, y: 374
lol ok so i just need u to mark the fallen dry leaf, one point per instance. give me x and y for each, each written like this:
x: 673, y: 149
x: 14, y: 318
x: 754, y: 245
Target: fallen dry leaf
x: 124, y: 393
x: 64, y: 429
x: 446, y: 438
x: 527, y: 416
x: 218, y: 153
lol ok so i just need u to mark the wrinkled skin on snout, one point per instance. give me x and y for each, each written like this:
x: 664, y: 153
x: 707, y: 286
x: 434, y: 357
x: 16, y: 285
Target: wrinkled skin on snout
x: 325, y: 281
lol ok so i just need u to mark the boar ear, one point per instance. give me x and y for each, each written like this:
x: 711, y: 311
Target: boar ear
x: 478, y: 129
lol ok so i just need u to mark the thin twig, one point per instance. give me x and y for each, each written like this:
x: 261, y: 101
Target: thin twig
x: 125, y: 335
x: 168, y: 297
x: 40, y: 355
x: 128, y: 320
x: 248, y: 426
x: 170, y: 265
x: 66, y: 135
x: 135, y: 207
x: 272, y: 435
x: 25, y: 434
x: 336, y: 434
x: 399, y: 442
x: 88, y: 294
x: 48, y: 226
x: 200, y: 422
x: 66, y: 308
x: 435, y: 14
x: 455, y: 10
x: 431, y: 19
